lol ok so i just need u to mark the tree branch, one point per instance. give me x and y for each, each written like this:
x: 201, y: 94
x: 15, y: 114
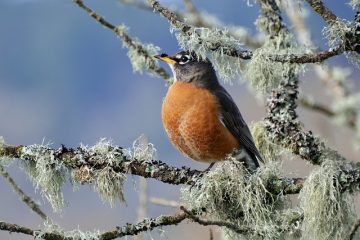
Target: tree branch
x: 322, y: 10
x: 25, y: 198
x: 75, y: 159
x: 354, y: 229
x: 318, y: 107
x: 205, y: 222
x: 126, y: 39
x: 145, y: 225
x: 244, y: 54
x: 14, y: 228
x: 81, y: 158
x: 128, y: 229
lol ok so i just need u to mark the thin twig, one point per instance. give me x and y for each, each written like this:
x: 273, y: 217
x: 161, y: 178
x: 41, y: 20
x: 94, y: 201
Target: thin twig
x: 143, y: 199
x: 205, y: 222
x: 145, y: 225
x: 198, y: 20
x: 165, y: 202
x: 128, y: 229
x: 354, y: 229
x: 127, y: 39
x: 315, y: 106
x: 211, y: 237
x: 25, y: 198
x: 248, y: 40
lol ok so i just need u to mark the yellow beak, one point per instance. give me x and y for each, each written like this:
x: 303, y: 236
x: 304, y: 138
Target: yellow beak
x: 166, y: 58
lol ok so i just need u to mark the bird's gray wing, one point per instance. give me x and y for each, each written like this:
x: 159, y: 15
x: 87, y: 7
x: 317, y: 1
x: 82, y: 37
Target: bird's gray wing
x: 231, y: 117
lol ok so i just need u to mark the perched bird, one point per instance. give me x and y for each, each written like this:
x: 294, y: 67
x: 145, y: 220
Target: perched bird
x: 200, y: 117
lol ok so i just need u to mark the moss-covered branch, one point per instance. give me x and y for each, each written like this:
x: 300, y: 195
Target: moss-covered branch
x: 206, y: 222
x: 145, y: 225
x: 322, y: 10
x: 127, y: 230
x: 83, y: 161
x: 243, y: 54
x: 134, y: 46
x: 14, y: 228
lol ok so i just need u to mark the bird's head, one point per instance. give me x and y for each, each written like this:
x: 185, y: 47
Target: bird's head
x: 187, y: 67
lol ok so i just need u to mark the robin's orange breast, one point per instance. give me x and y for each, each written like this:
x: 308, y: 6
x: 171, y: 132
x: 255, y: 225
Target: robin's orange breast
x: 192, y: 121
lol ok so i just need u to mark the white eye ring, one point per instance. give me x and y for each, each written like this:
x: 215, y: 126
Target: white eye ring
x: 184, y: 59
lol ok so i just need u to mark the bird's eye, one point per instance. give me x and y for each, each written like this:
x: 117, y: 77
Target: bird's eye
x: 184, y: 59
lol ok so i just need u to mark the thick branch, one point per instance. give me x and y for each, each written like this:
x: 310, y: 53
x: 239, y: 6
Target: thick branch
x: 322, y: 10
x: 80, y: 158
x: 77, y: 158
x: 126, y: 39
x: 14, y: 228
x: 25, y: 198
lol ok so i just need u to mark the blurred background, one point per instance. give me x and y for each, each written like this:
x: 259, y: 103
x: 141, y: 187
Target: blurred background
x: 65, y: 79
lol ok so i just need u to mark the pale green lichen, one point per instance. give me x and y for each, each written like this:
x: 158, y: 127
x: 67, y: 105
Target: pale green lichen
x: 141, y: 55
x: 268, y: 149
x: 336, y: 33
x: 355, y: 4
x: 50, y: 227
x: 229, y: 193
x: 328, y: 211
x: 47, y: 174
x: 265, y: 74
x: 213, y: 42
x: 110, y: 185
x: 143, y: 150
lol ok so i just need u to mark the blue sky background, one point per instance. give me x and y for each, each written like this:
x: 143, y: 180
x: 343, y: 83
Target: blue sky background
x: 66, y: 79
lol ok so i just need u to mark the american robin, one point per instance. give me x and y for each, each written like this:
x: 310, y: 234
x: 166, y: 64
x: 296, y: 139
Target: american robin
x: 199, y: 115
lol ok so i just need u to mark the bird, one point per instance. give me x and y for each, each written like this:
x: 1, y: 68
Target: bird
x: 200, y: 117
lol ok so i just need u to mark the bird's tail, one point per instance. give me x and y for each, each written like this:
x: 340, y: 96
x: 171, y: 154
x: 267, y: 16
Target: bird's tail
x: 248, y: 158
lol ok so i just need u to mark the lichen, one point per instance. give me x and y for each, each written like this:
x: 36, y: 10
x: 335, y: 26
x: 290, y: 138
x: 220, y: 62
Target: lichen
x: 214, y: 43
x: 328, y: 211
x: 110, y: 185
x: 336, y: 33
x: 268, y: 149
x: 107, y: 182
x: 229, y: 193
x: 264, y: 73
x: 140, y: 54
x: 355, y: 4
x: 50, y: 227
x: 143, y: 150
x: 47, y: 174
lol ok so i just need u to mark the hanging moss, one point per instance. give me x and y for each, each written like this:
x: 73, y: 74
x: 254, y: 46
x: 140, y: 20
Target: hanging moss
x: 268, y: 149
x: 229, y: 193
x: 328, y: 211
